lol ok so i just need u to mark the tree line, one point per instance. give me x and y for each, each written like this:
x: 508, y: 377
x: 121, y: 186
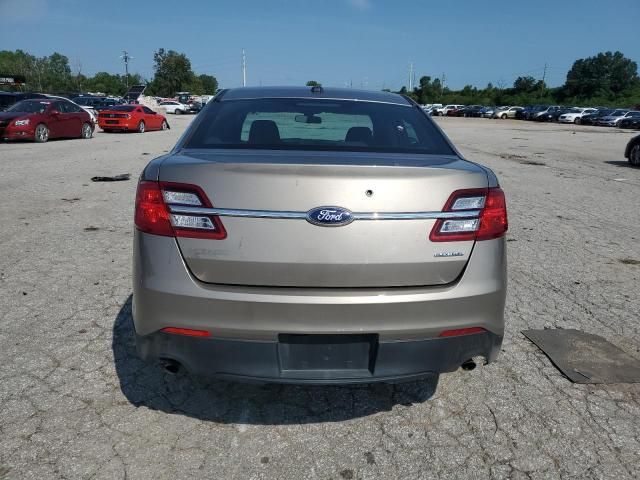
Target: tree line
x: 607, y: 78
x: 604, y: 79
x: 54, y: 74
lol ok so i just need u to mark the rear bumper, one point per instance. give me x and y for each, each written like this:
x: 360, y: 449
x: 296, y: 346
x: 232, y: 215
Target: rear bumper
x: 405, y: 321
x: 262, y: 361
x: 121, y: 125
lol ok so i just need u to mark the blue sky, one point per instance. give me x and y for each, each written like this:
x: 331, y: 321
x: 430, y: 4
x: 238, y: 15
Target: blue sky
x: 365, y: 43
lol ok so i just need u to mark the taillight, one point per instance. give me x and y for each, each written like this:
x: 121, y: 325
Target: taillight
x: 189, y: 332
x: 456, y: 332
x: 153, y: 212
x: 489, y: 224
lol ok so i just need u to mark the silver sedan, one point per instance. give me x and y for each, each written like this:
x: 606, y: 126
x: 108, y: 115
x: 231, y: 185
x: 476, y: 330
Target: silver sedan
x: 312, y: 235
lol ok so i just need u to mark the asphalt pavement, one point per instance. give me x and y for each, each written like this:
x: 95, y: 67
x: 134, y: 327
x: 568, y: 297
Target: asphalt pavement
x: 75, y: 402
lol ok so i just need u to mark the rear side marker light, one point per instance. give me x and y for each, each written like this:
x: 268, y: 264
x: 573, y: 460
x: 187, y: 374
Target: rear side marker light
x: 462, y: 331
x: 153, y: 213
x: 489, y: 224
x: 186, y: 331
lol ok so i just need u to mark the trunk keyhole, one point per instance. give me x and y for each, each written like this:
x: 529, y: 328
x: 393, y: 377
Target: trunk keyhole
x: 368, y: 193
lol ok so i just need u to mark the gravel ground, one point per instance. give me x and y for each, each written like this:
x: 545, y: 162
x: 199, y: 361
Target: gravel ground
x: 76, y: 403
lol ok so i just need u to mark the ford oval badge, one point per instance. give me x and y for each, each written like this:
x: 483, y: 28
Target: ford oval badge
x: 329, y: 216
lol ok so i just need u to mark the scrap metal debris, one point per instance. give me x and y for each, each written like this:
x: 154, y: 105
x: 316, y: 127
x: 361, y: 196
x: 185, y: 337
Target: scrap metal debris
x: 585, y: 358
x: 115, y: 178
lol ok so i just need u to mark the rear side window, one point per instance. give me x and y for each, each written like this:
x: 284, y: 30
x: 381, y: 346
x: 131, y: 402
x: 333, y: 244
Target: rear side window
x: 317, y: 124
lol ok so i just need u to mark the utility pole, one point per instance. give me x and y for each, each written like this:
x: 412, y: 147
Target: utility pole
x: 244, y: 69
x: 410, y: 76
x: 125, y: 56
x: 544, y: 76
x: 444, y: 78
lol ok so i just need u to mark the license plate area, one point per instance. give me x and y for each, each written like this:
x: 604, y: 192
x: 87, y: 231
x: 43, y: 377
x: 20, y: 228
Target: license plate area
x: 112, y: 122
x: 327, y: 356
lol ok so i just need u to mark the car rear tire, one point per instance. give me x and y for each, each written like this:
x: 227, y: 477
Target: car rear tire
x: 86, y: 132
x: 634, y: 155
x: 165, y: 125
x: 178, y: 111
x: 141, y: 127
x: 41, y: 133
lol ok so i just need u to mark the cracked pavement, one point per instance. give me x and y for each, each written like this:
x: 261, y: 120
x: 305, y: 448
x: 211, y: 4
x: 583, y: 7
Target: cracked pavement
x: 75, y: 402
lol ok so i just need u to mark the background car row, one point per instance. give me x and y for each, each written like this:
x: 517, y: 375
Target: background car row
x: 39, y: 117
x: 602, y: 116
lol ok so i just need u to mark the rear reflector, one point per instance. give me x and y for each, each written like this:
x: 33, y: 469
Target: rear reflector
x: 186, y: 331
x: 462, y: 331
x: 491, y: 222
x: 152, y: 215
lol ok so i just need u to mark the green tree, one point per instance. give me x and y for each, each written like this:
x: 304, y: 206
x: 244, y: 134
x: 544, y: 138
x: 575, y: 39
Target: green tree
x: 603, y: 74
x: 172, y: 73
x: 209, y: 84
x: 313, y: 83
x: 524, y: 84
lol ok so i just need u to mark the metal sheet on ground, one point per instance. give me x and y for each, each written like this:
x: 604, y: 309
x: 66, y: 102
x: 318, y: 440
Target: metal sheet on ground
x: 584, y: 357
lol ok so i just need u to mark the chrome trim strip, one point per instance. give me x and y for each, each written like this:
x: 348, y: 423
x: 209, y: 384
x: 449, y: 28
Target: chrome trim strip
x: 230, y: 212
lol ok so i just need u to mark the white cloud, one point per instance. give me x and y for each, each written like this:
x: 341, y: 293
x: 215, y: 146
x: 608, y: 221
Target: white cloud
x: 360, y: 4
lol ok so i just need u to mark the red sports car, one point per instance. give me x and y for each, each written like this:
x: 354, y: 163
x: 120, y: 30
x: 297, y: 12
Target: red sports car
x: 45, y: 118
x: 136, y: 118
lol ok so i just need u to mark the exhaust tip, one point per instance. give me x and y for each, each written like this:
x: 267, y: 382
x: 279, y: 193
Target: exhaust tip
x: 171, y: 366
x: 468, y: 365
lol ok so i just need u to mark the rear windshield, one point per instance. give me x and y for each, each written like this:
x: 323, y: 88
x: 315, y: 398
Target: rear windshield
x: 124, y: 108
x: 317, y: 124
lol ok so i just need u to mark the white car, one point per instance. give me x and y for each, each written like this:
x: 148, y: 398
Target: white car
x: 575, y: 115
x: 445, y: 110
x: 178, y: 108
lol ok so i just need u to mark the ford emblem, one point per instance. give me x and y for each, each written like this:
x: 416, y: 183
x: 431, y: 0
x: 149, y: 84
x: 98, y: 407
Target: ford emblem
x: 329, y: 216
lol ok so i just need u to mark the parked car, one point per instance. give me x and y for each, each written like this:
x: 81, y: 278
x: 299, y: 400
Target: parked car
x: 632, y: 121
x: 455, y: 112
x: 507, y: 112
x: 487, y: 112
x: 45, y: 118
x: 195, y: 107
x: 548, y: 114
x: 469, y: 111
x: 592, y: 118
x: 300, y: 302
x: 529, y: 111
x: 136, y: 118
x: 613, y: 119
x: 632, y: 152
x: 9, y: 98
x: 178, y: 108
x: 445, y: 110
x: 575, y: 115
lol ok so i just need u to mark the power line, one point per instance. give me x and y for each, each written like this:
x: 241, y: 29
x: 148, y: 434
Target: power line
x: 411, y: 76
x: 125, y: 56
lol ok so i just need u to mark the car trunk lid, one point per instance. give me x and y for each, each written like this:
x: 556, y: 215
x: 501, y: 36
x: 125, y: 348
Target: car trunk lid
x: 294, y: 252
